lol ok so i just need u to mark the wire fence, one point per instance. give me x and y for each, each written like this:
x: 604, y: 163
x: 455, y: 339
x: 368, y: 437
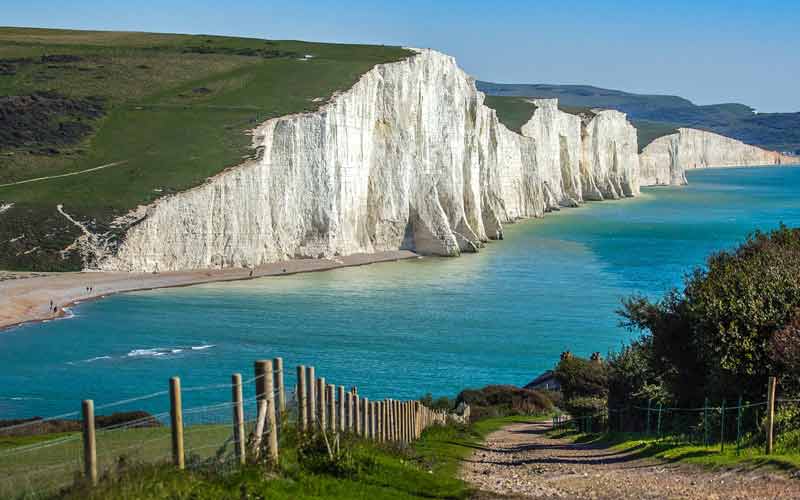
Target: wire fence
x: 39, y: 457
x: 771, y: 425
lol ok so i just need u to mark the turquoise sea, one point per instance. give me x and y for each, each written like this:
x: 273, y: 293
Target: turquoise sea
x: 401, y: 329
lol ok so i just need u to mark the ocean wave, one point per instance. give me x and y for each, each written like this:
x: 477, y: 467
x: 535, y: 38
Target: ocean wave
x: 166, y: 351
x: 89, y: 360
x: 154, y: 352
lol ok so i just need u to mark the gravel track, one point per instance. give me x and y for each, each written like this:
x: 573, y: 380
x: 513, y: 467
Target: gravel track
x: 519, y: 461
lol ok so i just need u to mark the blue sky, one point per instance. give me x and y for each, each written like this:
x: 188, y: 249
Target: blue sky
x: 708, y: 51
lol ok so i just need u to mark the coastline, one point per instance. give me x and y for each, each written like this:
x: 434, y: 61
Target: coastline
x: 25, y: 296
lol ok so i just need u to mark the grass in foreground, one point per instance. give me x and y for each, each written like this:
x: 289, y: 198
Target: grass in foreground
x: 674, y: 450
x: 427, y: 469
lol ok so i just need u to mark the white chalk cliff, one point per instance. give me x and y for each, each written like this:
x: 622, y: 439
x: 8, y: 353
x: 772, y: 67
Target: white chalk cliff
x: 409, y: 157
x: 665, y: 160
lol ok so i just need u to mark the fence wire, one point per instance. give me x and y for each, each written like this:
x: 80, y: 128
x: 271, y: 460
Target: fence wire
x: 36, y: 462
x: 738, y: 426
x: 40, y: 457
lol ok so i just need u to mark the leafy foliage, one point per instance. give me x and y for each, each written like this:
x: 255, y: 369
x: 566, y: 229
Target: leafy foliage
x: 440, y: 403
x: 581, y: 377
x: 633, y: 378
x: 503, y: 400
x: 714, y: 338
x: 584, y: 385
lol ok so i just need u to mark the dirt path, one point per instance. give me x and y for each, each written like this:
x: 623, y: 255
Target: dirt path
x: 69, y: 174
x: 519, y: 461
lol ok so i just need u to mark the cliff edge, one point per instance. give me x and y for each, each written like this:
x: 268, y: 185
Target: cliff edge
x: 665, y: 160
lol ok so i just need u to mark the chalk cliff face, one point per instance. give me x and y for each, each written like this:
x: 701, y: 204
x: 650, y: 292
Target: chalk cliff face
x: 665, y: 160
x: 409, y: 157
x: 610, y: 163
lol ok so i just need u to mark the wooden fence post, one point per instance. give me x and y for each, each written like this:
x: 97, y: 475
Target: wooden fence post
x: 176, y: 414
x: 238, y: 418
x: 771, y: 412
x: 259, y: 370
x: 409, y: 423
x: 302, y: 413
x: 350, y: 412
x: 659, y: 420
x: 739, y: 427
x: 392, y: 434
x: 705, y: 423
x: 332, y: 408
x: 402, y: 412
x: 341, y: 413
x: 357, y: 414
x: 366, y: 425
x: 385, y: 413
x: 280, y: 386
x: 322, y: 411
x: 89, y: 441
x: 272, y: 423
x: 722, y: 427
x: 258, y: 432
x: 398, y: 421
x: 311, y: 397
x: 376, y: 409
x: 410, y: 417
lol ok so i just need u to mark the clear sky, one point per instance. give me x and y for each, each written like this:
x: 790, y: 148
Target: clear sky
x: 709, y: 51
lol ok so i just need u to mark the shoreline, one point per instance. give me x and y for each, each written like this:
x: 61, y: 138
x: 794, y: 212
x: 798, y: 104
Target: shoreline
x: 26, y: 295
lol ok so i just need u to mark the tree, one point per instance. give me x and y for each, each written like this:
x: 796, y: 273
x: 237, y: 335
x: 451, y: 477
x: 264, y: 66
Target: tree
x: 634, y: 377
x: 713, y: 338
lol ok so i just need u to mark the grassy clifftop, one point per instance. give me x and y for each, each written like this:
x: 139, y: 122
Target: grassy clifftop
x: 160, y: 113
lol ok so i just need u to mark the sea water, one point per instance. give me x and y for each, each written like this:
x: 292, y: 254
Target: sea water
x: 430, y: 325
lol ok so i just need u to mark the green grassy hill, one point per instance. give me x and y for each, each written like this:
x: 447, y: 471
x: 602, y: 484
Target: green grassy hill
x: 657, y: 115
x: 514, y: 112
x: 161, y: 113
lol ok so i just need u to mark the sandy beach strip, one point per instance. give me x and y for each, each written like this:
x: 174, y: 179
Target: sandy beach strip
x: 25, y: 297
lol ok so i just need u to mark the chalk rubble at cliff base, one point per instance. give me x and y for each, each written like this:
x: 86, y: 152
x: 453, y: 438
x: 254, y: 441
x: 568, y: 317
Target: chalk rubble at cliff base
x: 408, y: 158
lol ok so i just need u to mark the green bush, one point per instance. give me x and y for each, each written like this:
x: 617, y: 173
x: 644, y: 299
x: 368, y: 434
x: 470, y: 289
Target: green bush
x: 580, y: 377
x: 504, y: 400
x: 581, y: 406
x: 440, y: 403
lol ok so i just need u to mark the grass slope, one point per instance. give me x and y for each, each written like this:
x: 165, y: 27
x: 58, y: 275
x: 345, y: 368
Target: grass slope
x: 647, y: 131
x: 513, y: 112
x: 176, y: 110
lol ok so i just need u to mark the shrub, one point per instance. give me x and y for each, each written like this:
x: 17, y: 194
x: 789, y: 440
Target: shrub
x: 441, y: 403
x: 581, y: 406
x: 580, y: 377
x: 503, y: 400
